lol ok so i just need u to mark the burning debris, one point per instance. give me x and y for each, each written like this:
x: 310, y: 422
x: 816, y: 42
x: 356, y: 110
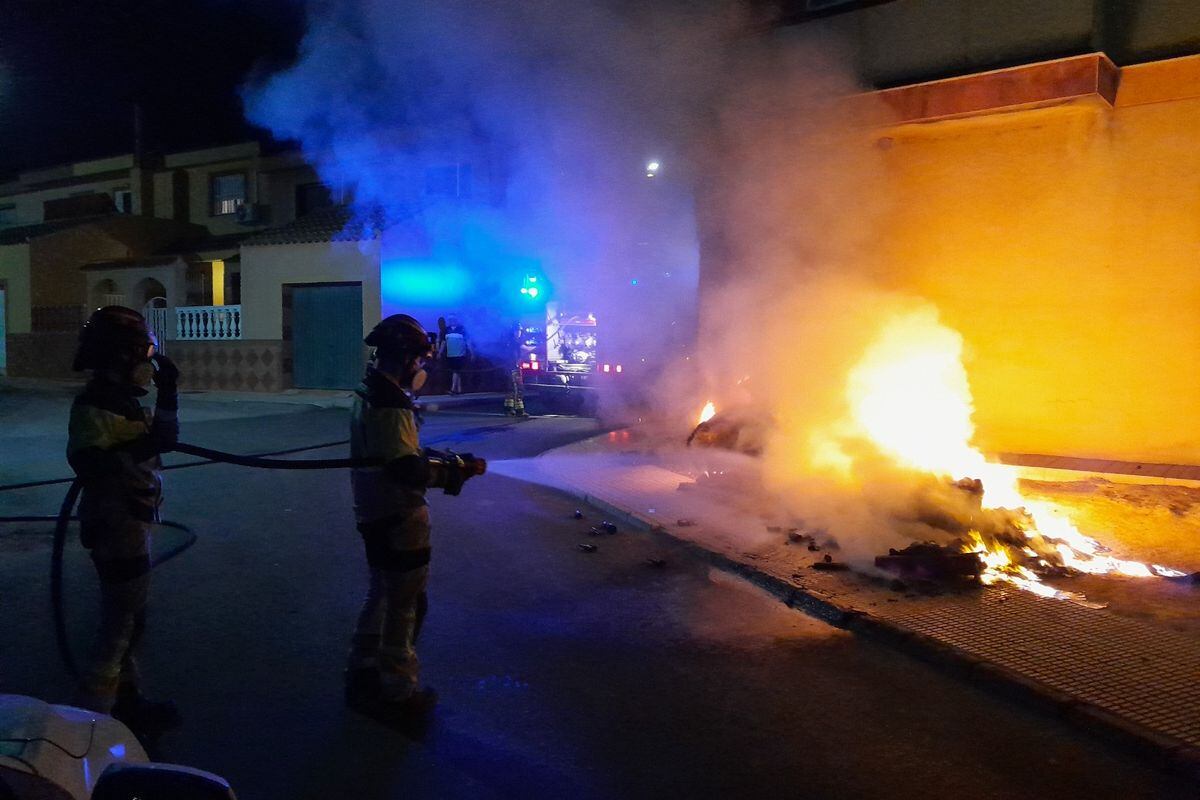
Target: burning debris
x: 928, y: 561
x: 740, y: 433
x: 910, y: 398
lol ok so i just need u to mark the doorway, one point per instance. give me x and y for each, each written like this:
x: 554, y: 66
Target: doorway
x: 327, y: 324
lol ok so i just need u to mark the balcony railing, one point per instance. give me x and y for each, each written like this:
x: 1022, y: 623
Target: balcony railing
x: 194, y: 323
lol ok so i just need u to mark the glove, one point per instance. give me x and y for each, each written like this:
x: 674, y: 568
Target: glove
x: 166, y: 378
x: 461, y: 467
x: 166, y: 374
x: 472, y: 466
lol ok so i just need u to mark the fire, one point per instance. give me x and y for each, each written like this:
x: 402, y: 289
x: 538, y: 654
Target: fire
x: 910, y: 396
x: 707, y: 413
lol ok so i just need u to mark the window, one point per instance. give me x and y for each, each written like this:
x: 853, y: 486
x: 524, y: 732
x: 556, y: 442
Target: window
x: 228, y: 192
x: 123, y: 200
x: 8, y: 215
x: 311, y: 196
x: 449, y: 180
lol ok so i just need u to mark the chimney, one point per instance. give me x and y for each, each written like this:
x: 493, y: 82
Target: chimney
x: 142, y: 174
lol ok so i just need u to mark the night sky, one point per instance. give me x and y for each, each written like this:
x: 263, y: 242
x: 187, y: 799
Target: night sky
x: 71, y: 69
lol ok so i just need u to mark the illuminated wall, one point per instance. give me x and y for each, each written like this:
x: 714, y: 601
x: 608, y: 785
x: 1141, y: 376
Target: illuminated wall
x: 1064, y: 243
x: 265, y: 270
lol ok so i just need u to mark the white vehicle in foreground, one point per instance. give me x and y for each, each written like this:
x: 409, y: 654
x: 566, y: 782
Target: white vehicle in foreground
x: 50, y: 752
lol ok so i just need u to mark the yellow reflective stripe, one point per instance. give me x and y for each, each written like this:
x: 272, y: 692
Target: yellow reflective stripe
x: 384, y: 433
x: 94, y: 427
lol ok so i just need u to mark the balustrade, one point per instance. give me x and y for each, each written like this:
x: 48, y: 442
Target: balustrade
x: 198, y: 323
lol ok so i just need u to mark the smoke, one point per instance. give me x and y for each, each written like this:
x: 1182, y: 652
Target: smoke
x: 505, y: 141
x: 512, y: 140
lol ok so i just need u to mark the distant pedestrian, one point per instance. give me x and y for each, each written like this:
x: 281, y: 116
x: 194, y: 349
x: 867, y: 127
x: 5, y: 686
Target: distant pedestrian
x: 455, y: 348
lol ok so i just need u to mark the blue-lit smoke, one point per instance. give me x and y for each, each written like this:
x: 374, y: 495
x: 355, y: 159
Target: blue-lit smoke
x: 509, y: 140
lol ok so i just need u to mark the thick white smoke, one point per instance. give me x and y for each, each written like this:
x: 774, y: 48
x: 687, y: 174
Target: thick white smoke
x: 558, y: 106
x: 768, y: 173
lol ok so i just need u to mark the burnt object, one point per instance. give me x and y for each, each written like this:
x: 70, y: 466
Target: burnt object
x: 927, y: 561
x: 587, y: 548
x: 657, y: 563
x: 813, y: 547
x: 829, y: 565
x: 796, y: 536
x: 596, y: 531
x: 726, y: 433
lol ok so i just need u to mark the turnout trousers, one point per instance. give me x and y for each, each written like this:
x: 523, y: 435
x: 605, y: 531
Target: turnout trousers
x: 390, y: 621
x: 121, y: 555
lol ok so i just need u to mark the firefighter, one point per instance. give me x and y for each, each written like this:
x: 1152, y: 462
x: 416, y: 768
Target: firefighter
x: 514, y: 402
x: 113, y: 446
x: 393, y: 518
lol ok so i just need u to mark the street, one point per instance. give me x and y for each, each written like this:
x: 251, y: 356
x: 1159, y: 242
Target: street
x: 561, y: 673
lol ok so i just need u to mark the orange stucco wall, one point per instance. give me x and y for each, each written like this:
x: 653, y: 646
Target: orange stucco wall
x: 1064, y: 244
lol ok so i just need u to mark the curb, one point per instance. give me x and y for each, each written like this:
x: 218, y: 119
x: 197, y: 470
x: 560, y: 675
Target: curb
x: 1163, y: 751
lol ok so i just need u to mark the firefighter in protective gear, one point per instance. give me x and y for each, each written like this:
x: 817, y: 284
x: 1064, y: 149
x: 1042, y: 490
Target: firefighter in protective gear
x: 393, y: 518
x: 514, y: 401
x: 113, y: 446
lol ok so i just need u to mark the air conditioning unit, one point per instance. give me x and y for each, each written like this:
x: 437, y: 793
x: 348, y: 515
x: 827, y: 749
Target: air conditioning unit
x: 252, y: 213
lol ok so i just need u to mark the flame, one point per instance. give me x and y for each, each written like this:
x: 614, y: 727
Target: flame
x: 708, y: 413
x: 910, y: 396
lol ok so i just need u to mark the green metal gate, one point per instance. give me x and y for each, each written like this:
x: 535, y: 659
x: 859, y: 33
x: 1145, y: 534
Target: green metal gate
x: 327, y: 325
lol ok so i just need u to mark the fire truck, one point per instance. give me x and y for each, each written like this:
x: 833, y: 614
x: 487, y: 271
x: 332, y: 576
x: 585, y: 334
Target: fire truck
x: 563, y: 351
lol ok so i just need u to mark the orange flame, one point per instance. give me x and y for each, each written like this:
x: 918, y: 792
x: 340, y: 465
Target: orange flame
x: 910, y: 396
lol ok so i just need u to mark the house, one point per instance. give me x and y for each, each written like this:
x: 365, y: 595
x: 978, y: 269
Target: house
x: 310, y: 291
x: 160, y: 234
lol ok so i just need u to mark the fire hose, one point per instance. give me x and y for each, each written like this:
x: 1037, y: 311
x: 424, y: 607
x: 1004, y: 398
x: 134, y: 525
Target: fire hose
x: 65, y: 516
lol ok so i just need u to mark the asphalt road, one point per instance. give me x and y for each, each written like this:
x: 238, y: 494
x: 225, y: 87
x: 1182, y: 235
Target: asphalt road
x: 561, y: 673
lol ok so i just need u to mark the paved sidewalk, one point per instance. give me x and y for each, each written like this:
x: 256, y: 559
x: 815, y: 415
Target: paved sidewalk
x: 1133, y: 680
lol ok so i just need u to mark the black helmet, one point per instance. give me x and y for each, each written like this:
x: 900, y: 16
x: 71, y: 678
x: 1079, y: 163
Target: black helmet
x: 399, y: 336
x: 113, y: 336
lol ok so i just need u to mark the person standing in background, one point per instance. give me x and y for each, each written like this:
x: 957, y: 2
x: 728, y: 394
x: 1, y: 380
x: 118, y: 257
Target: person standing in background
x: 455, y: 349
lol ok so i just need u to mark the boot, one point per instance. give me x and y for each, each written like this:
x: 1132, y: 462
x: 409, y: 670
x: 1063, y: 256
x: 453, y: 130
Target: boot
x: 142, y: 715
x: 416, y: 706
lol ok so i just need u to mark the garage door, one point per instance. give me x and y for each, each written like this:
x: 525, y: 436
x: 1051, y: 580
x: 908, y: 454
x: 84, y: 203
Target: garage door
x: 327, y: 324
